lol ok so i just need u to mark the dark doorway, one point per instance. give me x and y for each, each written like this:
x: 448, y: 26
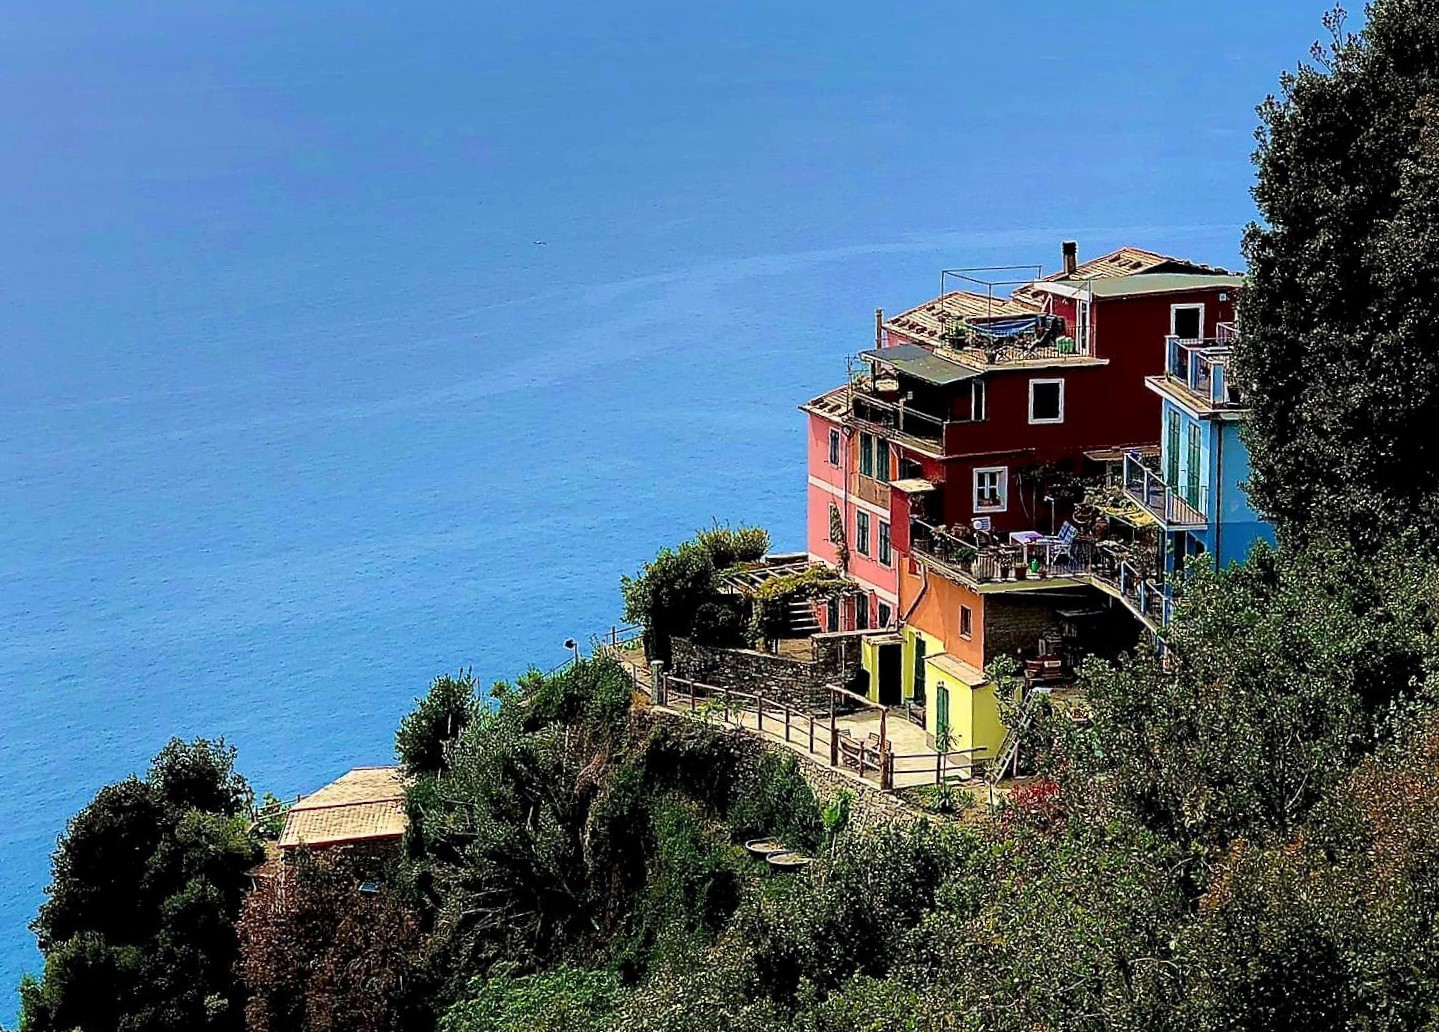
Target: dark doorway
x: 891, y: 664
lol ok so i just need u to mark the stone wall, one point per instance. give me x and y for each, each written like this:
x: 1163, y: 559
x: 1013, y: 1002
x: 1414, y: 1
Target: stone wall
x: 796, y: 681
x: 1014, y: 624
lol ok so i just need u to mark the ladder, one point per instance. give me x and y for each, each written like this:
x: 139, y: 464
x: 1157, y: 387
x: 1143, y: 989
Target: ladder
x: 1009, y: 750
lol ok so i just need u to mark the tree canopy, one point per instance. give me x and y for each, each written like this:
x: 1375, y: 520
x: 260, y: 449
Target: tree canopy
x: 1338, y: 355
x: 137, y: 928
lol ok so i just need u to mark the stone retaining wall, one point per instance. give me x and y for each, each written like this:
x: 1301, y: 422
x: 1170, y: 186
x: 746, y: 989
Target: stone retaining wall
x: 790, y: 681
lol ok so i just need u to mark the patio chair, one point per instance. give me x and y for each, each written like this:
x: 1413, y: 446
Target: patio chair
x: 1060, y: 544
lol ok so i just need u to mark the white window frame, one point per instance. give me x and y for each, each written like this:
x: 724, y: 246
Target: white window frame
x: 967, y: 635
x: 861, y: 532
x: 1035, y: 383
x: 836, y: 446
x: 884, y: 542
x: 1174, y: 311
x: 1002, y: 483
x: 978, y: 401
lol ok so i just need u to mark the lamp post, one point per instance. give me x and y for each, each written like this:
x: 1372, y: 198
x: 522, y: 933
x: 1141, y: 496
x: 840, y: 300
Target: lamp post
x: 573, y: 646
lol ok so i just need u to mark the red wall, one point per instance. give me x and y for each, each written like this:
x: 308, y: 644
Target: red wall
x: 1105, y: 406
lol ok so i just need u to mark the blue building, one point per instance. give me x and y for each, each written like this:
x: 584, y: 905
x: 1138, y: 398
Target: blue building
x: 1198, y: 496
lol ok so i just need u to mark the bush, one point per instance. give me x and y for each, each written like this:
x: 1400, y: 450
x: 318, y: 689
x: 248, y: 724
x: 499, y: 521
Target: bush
x: 720, y: 625
x: 437, y: 720
x: 566, y: 999
x: 669, y: 590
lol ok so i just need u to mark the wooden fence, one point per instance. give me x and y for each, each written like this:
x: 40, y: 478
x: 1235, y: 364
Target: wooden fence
x: 872, y: 756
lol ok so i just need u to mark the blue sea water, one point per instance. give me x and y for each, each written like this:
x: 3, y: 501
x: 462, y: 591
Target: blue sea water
x: 348, y: 343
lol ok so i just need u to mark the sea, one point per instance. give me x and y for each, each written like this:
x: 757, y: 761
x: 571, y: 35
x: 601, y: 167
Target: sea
x: 343, y: 344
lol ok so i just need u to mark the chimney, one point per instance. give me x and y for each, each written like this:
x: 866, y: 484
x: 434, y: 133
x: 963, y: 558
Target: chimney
x: 879, y: 328
x: 1071, y: 256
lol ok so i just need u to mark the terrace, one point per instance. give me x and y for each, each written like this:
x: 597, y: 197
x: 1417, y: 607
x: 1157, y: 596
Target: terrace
x: 988, y: 317
x: 1199, y: 370
x: 1118, y: 558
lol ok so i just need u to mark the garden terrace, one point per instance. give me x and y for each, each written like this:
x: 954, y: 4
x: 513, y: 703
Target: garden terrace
x: 1124, y: 565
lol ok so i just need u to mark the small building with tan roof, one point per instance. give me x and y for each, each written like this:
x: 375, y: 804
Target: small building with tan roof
x: 365, y: 807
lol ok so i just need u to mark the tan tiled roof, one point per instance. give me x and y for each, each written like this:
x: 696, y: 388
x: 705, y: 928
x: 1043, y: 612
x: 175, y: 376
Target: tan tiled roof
x: 927, y: 323
x: 832, y: 404
x: 365, y: 805
x: 1127, y: 261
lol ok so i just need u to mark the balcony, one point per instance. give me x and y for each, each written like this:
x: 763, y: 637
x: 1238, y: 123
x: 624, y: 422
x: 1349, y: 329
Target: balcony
x: 1128, y: 570
x: 1200, y: 368
x: 894, y: 417
x: 875, y: 492
x: 1147, y: 488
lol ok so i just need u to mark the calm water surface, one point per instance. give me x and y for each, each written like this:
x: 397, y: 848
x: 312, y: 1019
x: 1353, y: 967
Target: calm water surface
x: 345, y: 345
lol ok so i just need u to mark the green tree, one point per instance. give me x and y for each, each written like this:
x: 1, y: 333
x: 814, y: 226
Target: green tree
x: 564, y: 1000
x: 1280, y: 675
x: 1337, y: 356
x: 138, y: 927
x: 670, y: 589
x: 437, y: 720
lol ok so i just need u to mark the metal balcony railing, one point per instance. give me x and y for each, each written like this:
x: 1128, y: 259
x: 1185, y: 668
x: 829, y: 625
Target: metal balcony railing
x: 886, y: 415
x: 1201, y: 368
x: 1170, y: 507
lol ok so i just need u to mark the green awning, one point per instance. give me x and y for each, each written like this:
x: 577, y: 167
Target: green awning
x: 922, y: 364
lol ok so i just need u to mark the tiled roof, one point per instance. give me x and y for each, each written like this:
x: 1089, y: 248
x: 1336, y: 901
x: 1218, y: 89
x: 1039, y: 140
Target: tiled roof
x: 832, y: 404
x: 365, y: 805
x: 927, y: 323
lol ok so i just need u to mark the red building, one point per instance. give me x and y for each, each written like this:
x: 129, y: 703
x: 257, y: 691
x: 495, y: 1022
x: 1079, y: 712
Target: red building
x: 971, y: 407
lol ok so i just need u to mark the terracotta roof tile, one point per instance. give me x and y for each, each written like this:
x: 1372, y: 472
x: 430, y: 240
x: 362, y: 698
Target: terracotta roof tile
x: 367, y: 804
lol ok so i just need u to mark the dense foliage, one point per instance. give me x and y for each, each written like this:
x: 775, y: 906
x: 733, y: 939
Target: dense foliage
x: 137, y: 928
x: 1338, y: 355
x: 678, y: 585
x: 437, y: 719
x: 319, y: 954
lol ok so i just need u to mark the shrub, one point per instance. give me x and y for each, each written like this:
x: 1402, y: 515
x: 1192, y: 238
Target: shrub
x: 437, y: 720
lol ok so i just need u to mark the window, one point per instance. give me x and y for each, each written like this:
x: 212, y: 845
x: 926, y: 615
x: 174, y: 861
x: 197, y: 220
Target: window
x: 1186, y: 322
x: 881, y: 461
x: 1081, y: 326
x: 861, y: 612
x: 831, y: 615
x: 866, y: 456
x: 885, y: 556
x: 1046, y: 401
x: 834, y: 447
x: 886, y: 614
x: 966, y: 622
x: 977, y: 400
x: 861, y: 532
x: 836, y: 525
x: 991, y: 489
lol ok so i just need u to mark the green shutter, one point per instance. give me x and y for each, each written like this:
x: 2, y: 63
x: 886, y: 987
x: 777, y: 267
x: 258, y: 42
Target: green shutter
x: 866, y: 457
x: 1192, y: 480
x: 1171, y: 450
